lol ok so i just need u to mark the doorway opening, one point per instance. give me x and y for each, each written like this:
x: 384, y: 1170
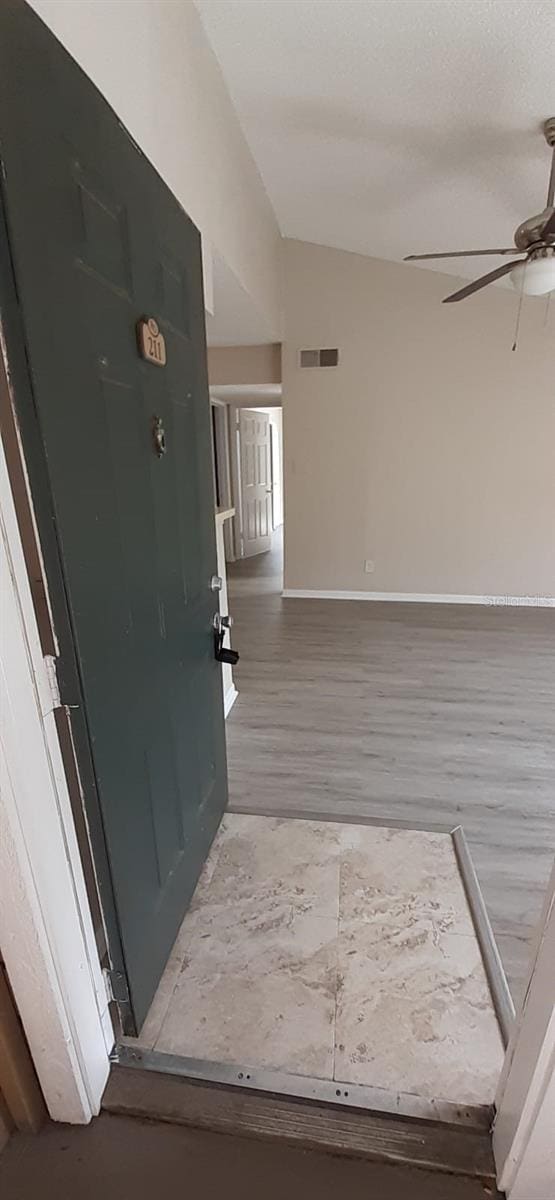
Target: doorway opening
x: 247, y: 455
x: 257, y: 457
x: 299, y: 876
x: 247, y: 449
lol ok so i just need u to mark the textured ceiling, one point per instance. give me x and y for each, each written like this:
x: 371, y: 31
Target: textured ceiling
x: 393, y: 126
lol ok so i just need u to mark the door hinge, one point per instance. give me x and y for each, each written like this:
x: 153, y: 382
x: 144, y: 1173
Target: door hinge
x: 52, y: 677
x: 116, y: 985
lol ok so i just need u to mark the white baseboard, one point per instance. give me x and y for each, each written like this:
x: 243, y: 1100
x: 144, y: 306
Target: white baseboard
x: 229, y: 699
x: 424, y: 598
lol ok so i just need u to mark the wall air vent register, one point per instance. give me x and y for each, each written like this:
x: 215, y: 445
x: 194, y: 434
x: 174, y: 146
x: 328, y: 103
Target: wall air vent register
x: 319, y: 358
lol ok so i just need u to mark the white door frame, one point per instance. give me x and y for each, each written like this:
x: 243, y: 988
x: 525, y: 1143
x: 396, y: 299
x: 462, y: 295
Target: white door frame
x: 277, y: 462
x: 235, y: 466
x: 47, y: 938
x: 222, y: 449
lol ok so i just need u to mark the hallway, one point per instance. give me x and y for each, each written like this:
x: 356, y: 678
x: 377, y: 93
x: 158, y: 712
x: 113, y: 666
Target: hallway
x: 428, y: 714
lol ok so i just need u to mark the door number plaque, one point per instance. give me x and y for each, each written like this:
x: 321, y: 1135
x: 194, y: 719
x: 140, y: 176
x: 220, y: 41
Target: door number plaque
x: 151, y: 342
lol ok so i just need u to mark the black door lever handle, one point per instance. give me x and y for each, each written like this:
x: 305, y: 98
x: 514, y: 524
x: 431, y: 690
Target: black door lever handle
x: 223, y: 653
x: 226, y: 655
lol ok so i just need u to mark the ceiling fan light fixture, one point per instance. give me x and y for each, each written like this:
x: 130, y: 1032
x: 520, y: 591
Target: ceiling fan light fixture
x: 535, y: 237
x: 535, y: 276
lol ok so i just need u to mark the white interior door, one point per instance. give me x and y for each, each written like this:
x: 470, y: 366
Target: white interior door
x: 256, y: 481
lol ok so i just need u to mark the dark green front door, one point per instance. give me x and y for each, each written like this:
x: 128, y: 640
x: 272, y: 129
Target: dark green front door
x: 97, y: 242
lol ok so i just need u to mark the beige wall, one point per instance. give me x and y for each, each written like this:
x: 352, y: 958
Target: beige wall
x: 431, y: 448
x: 244, y: 364
x: 152, y: 61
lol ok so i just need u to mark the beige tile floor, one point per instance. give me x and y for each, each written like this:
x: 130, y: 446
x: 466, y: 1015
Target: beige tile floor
x: 345, y: 952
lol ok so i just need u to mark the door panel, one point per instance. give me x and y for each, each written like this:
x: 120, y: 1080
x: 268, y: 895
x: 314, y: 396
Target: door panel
x: 97, y: 242
x: 256, y: 481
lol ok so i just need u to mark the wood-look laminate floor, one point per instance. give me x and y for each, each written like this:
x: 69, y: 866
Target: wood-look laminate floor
x: 424, y: 713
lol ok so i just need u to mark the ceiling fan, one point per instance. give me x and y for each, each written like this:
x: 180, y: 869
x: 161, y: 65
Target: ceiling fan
x: 535, y: 238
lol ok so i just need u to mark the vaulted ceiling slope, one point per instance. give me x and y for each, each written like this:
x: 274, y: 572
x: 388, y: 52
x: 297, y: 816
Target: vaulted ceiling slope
x: 388, y: 127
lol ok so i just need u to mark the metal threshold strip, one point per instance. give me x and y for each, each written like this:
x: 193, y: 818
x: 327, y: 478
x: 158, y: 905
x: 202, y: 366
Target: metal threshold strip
x: 362, y: 1122
x: 306, y: 1087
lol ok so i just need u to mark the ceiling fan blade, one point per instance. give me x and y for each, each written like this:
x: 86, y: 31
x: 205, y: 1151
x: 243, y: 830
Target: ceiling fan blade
x: 482, y: 282
x: 457, y: 254
x: 548, y: 230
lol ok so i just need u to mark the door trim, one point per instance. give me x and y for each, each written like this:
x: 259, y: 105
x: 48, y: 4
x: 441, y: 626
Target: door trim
x: 21, y: 1099
x: 46, y: 931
